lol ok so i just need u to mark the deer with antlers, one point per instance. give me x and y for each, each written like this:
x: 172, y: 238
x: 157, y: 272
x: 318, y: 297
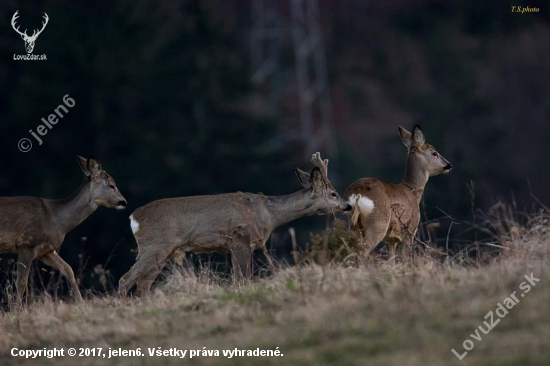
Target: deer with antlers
x: 29, y: 40
x: 236, y: 223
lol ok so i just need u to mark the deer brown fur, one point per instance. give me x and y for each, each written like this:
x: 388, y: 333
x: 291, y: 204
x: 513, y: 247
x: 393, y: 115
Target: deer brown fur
x: 390, y: 212
x: 33, y: 227
x: 236, y: 223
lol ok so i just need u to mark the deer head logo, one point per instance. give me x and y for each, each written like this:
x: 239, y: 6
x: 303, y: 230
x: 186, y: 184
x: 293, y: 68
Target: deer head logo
x: 29, y: 40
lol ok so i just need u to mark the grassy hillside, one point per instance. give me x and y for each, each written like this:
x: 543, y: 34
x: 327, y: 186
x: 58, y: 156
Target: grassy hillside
x: 381, y: 313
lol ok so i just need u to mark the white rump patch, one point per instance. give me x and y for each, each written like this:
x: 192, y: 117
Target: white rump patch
x: 365, y: 204
x: 134, y: 224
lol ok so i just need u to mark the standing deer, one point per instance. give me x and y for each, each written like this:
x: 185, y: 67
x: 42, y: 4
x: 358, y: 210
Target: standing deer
x: 33, y: 227
x: 390, y: 212
x: 237, y: 223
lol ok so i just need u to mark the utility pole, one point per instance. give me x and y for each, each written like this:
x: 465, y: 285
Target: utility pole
x: 271, y: 31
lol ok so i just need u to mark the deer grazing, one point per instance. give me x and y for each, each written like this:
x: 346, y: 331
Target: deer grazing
x: 390, y: 212
x: 33, y: 227
x: 29, y: 40
x: 236, y: 223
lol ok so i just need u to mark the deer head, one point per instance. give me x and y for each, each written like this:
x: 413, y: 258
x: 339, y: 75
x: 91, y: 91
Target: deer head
x: 103, y: 189
x: 424, y: 156
x: 29, y: 40
x: 324, y: 198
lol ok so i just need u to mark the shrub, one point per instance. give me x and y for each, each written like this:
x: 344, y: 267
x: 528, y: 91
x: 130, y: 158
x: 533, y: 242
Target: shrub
x: 336, y: 244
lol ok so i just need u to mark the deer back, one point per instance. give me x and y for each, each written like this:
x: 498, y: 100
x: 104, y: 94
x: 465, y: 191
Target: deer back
x: 203, y: 222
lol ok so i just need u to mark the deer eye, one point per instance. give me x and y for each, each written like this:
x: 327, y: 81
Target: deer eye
x: 434, y: 153
x: 333, y: 194
x: 112, y: 186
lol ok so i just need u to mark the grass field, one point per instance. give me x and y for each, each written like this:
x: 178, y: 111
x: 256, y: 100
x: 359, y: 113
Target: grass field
x: 412, y: 312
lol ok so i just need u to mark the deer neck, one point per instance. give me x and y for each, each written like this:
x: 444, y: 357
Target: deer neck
x: 71, y: 211
x: 416, y: 177
x: 289, y: 207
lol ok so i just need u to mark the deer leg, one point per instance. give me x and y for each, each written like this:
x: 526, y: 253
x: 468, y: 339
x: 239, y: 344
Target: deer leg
x: 148, y: 262
x: 128, y: 280
x: 145, y: 282
x: 392, y: 246
x: 53, y: 259
x: 124, y: 280
x: 371, y: 239
x: 407, y: 244
x: 241, y: 259
x: 24, y: 260
x: 375, y: 228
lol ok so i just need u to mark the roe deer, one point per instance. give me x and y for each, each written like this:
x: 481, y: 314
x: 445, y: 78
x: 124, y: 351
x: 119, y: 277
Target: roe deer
x: 33, y: 227
x: 390, y: 212
x: 237, y: 223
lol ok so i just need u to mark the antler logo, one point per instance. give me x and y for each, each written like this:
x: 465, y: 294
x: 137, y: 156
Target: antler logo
x: 29, y: 40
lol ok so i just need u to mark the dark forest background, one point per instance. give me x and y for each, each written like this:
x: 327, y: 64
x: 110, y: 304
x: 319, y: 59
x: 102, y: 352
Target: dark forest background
x: 164, y: 100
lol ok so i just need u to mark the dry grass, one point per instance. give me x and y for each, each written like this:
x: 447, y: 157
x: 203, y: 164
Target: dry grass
x: 380, y: 313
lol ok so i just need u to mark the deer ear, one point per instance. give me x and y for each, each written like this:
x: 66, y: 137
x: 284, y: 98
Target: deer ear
x: 418, y: 136
x: 303, y: 177
x: 94, y: 167
x: 83, y: 162
x: 406, y: 136
x: 316, y: 179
